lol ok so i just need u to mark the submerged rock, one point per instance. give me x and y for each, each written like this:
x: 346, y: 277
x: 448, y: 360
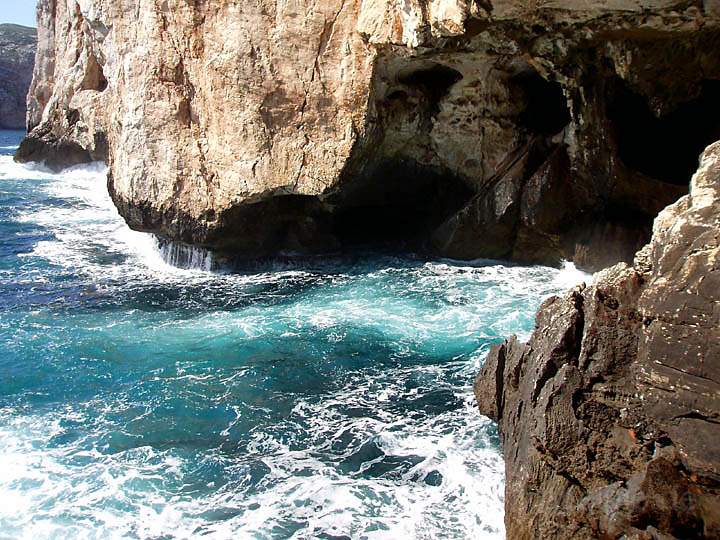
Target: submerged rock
x: 17, y: 57
x: 536, y: 131
x: 610, y: 414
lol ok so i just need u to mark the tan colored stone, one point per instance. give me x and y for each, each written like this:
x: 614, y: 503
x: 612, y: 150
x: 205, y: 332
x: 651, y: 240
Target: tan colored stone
x: 205, y: 109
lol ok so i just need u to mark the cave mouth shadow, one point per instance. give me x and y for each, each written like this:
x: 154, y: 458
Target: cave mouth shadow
x: 398, y: 205
x: 431, y: 79
x: 547, y: 112
x: 665, y: 148
x: 394, y: 206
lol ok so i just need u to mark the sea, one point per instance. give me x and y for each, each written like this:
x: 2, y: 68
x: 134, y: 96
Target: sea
x: 148, y: 393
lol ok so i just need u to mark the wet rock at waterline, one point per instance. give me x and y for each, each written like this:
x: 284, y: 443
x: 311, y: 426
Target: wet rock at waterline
x: 610, y: 414
x: 531, y: 131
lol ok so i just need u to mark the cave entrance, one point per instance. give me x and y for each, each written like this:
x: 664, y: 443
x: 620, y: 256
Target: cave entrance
x: 665, y: 148
x: 398, y: 206
x: 432, y: 80
x: 398, y: 200
x: 546, y: 111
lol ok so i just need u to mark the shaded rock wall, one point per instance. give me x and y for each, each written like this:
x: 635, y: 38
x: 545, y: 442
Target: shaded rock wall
x: 507, y: 129
x: 17, y: 57
x: 610, y: 414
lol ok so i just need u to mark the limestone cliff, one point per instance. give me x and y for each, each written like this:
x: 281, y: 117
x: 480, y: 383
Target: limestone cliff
x: 17, y: 56
x: 533, y: 130
x: 610, y: 414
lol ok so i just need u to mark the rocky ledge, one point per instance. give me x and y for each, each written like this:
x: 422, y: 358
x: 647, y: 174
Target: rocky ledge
x: 17, y: 57
x: 610, y: 414
x: 521, y: 129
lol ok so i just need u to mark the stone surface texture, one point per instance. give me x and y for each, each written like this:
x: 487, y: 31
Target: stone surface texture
x: 610, y: 414
x: 17, y: 57
x: 470, y: 128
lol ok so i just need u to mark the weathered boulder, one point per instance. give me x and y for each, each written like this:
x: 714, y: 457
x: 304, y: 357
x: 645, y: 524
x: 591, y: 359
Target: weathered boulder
x: 610, y: 414
x: 17, y: 57
x: 537, y: 131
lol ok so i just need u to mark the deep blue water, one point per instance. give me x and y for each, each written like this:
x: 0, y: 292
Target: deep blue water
x: 316, y: 398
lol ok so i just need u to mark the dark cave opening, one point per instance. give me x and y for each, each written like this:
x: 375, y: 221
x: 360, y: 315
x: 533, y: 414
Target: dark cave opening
x: 398, y: 206
x: 433, y: 80
x: 397, y: 202
x: 547, y: 111
x: 665, y: 148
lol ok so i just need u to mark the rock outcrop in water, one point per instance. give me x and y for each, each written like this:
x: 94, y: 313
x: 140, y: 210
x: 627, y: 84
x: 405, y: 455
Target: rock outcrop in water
x: 17, y: 57
x: 531, y: 130
x: 610, y: 414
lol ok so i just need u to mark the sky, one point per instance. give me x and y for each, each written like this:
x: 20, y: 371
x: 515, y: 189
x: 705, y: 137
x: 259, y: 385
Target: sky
x: 18, y: 12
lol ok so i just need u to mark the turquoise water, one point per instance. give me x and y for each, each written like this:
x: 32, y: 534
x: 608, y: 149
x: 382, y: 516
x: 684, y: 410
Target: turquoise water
x: 317, y: 398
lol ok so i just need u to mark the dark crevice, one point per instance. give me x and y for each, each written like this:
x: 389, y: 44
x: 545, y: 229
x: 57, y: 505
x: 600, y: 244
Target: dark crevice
x: 572, y: 480
x: 548, y: 371
x: 500, y: 381
x: 547, y: 111
x: 696, y: 415
x: 72, y: 116
x: 94, y: 76
x: 665, y: 148
x: 102, y: 147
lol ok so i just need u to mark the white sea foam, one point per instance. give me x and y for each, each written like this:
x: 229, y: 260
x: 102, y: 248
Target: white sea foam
x: 97, y: 223
x: 9, y: 170
x: 188, y: 257
x: 42, y: 495
x: 69, y: 492
x: 570, y: 276
x: 92, y: 221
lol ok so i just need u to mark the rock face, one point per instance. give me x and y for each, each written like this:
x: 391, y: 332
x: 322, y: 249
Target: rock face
x: 610, y: 414
x: 17, y: 57
x: 523, y: 129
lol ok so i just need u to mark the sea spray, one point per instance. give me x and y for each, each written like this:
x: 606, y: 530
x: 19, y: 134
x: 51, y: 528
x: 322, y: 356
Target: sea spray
x: 185, y: 256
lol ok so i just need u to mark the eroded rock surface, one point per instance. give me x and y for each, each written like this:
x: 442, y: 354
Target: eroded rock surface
x: 17, y: 57
x: 529, y: 130
x: 610, y: 414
